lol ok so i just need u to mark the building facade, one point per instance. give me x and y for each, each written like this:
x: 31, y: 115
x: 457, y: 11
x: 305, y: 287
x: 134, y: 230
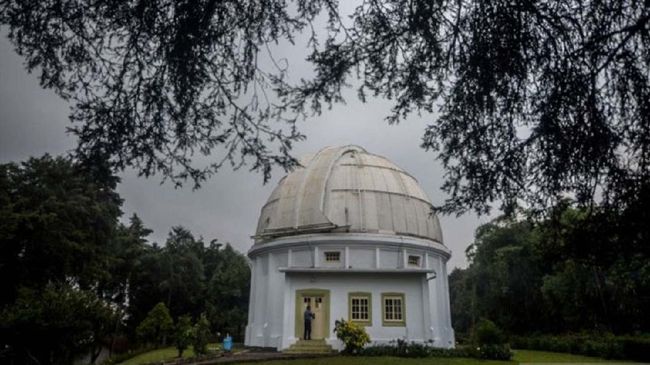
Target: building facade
x: 351, y: 235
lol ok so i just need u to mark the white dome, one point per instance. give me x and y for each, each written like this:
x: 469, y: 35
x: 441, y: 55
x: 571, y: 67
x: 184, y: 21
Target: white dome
x: 346, y: 189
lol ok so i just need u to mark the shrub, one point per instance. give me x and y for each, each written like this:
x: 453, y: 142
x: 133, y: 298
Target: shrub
x: 183, y: 334
x: 354, y: 337
x: 602, y: 345
x: 201, y: 335
x: 493, y: 352
x: 402, y: 348
x: 487, y: 333
x: 155, y: 328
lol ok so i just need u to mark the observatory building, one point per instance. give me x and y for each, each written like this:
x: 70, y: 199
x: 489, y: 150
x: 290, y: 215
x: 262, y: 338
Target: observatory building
x: 353, y: 236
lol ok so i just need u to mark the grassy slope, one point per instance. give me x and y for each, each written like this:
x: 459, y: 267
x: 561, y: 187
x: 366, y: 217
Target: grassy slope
x: 166, y: 353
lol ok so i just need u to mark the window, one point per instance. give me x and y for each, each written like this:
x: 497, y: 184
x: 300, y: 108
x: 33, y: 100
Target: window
x: 360, y: 308
x: 414, y: 260
x: 332, y: 256
x: 393, y: 309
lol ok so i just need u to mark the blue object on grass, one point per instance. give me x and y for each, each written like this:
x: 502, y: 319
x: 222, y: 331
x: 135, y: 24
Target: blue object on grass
x: 227, y: 343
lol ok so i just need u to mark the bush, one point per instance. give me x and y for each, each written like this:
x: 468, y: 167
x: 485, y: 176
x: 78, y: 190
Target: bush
x: 488, y: 342
x: 402, y: 348
x: 201, y: 335
x: 183, y: 334
x: 155, y: 328
x: 487, y: 333
x: 354, y: 337
x: 493, y: 352
x: 602, y: 345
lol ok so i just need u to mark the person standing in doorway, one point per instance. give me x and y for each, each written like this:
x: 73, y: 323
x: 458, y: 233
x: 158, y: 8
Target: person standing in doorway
x: 309, y: 316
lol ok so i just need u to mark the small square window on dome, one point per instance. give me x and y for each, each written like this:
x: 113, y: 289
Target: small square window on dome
x: 332, y: 256
x: 414, y: 260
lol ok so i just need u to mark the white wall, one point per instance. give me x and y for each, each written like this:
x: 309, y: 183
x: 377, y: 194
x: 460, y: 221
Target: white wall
x: 272, y: 304
x: 340, y: 285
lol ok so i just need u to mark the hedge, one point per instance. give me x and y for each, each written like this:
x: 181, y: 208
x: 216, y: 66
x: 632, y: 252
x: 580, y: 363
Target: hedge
x: 601, y: 345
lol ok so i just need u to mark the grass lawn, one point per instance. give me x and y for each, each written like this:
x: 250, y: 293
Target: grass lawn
x: 520, y: 356
x: 384, y: 360
x: 543, y: 356
x: 166, y: 353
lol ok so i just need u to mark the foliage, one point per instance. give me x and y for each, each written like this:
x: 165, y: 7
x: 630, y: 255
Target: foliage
x: 192, y: 278
x: 157, y: 326
x: 354, y: 336
x: 76, y: 280
x: 578, y: 270
x: 57, y: 219
x: 487, y: 333
x: 53, y: 324
x: 183, y: 334
x: 201, y: 335
x: 228, y: 288
x: 599, y: 344
x: 493, y: 352
x: 536, y: 100
x: 403, y: 348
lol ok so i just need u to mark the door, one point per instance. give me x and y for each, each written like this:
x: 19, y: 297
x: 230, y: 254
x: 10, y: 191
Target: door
x: 318, y: 301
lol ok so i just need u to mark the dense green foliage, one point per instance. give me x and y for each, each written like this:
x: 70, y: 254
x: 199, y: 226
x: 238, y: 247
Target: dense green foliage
x: 75, y: 279
x: 201, y: 335
x: 602, y: 345
x: 353, y: 336
x: 156, y: 327
x: 183, y: 334
x: 487, y: 333
x: 577, y: 271
x: 535, y: 99
x: 402, y: 348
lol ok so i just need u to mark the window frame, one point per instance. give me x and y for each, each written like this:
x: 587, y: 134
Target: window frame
x: 393, y: 322
x: 364, y: 295
x: 418, y: 260
x: 337, y: 253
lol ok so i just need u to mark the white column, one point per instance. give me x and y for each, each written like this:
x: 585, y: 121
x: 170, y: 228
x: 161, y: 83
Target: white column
x: 251, y: 308
x: 316, y: 257
x: 377, y: 258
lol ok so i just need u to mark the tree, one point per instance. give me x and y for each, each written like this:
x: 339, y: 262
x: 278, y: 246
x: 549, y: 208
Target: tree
x: 182, y: 278
x: 227, y: 290
x: 53, y: 325
x: 157, y: 326
x: 537, y: 99
x: 57, y: 220
x: 183, y: 334
x: 201, y: 335
x: 571, y: 272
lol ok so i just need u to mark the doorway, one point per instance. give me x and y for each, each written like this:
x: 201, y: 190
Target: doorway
x: 318, y: 300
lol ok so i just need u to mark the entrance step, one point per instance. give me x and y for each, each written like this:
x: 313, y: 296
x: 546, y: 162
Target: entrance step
x: 310, y: 347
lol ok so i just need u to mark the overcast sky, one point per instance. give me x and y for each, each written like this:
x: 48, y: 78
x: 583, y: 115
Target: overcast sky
x: 33, y: 122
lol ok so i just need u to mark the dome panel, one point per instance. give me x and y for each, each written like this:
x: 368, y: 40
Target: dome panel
x: 346, y: 189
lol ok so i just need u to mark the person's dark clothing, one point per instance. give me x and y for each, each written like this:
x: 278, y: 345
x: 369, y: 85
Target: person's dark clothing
x: 309, y: 316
